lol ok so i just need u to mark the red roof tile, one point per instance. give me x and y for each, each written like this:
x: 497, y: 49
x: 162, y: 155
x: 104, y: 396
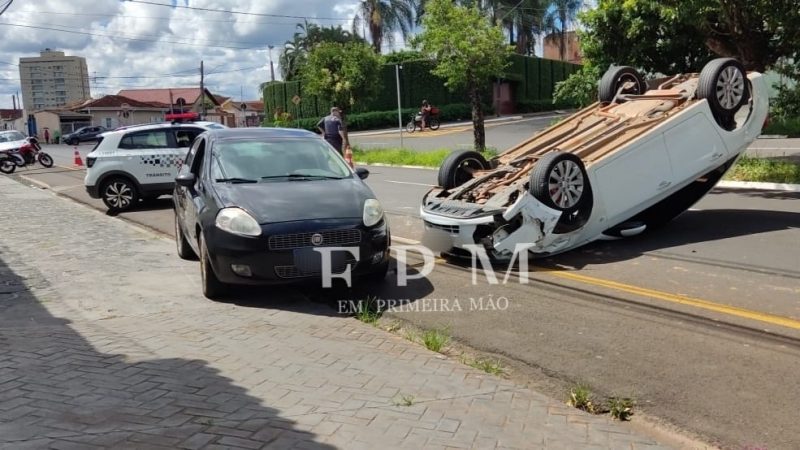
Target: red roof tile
x: 190, y: 95
x: 116, y: 101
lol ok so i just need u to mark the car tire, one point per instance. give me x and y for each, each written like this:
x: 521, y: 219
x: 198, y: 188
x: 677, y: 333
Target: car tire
x: 185, y: 250
x: 613, y: 79
x: 73, y: 141
x: 723, y: 84
x: 119, y: 194
x: 559, y: 180
x: 455, y: 169
x: 213, y: 289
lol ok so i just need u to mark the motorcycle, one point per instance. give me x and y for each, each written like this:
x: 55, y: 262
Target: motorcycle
x: 28, y: 154
x: 8, y: 164
x: 416, y: 121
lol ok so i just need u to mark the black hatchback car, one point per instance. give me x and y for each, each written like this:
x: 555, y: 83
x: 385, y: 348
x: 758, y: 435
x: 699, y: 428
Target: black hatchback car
x: 84, y: 134
x: 264, y: 205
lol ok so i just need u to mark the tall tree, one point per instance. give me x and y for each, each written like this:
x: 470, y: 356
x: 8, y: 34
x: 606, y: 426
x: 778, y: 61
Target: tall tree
x: 295, y: 52
x: 383, y: 18
x: 469, y: 51
x: 560, y: 15
x: 346, y: 74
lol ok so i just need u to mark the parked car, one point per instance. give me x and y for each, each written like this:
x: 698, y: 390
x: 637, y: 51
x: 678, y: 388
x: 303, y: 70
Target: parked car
x: 140, y: 162
x: 11, y: 142
x: 254, y: 204
x: 85, y: 134
x: 629, y: 163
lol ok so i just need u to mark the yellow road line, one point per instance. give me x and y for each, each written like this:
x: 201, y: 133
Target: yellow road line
x: 664, y: 296
x: 681, y: 299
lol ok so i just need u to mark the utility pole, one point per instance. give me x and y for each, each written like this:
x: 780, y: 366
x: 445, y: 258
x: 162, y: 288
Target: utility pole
x: 271, y: 67
x: 397, y: 68
x: 202, y: 92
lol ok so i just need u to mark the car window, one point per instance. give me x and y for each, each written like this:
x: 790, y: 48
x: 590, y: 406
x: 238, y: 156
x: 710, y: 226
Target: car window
x: 11, y: 136
x: 190, y: 154
x: 185, y: 136
x: 197, y: 161
x: 145, y: 139
x: 276, y: 158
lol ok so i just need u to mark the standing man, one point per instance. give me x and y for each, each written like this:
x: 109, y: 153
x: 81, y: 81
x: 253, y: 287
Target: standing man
x: 331, y: 128
x: 46, y: 135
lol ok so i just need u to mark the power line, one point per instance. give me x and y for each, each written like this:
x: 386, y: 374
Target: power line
x: 261, y: 22
x: 195, y: 8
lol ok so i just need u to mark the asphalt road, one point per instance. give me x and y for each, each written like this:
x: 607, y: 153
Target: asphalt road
x: 700, y: 321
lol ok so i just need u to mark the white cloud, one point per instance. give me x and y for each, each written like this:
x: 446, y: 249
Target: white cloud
x: 170, y: 40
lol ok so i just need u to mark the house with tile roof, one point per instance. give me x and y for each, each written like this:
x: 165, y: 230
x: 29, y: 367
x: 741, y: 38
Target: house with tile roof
x: 113, y: 111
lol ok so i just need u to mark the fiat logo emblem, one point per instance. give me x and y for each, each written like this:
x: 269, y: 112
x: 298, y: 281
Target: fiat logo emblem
x: 316, y: 239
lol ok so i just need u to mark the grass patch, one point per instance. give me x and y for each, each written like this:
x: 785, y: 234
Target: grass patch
x: 621, y: 408
x: 750, y: 168
x: 436, y: 339
x: 367, y: 311
x: 581, y: 397
x: 490, y: 366
x: 404, y: 400
x: 403, y: 157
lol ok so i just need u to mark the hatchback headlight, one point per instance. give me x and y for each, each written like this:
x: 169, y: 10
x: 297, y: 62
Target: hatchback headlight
x: 373, y: 212
x: 237, y: 221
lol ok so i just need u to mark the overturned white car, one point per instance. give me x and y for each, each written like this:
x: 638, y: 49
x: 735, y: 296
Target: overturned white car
x: 631, y: 162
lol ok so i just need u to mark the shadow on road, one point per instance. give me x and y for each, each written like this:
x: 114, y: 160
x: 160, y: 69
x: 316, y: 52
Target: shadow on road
x: 58, y: 391
x: 760, y: 193
x: 689, y: 228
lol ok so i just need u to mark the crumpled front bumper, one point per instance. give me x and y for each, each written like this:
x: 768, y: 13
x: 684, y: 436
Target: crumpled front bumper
x: 527, y: 224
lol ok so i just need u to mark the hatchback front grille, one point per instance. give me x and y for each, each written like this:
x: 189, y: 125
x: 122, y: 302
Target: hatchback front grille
x: 295, y: 272
x: 329, y: 238
x: 452, y: 229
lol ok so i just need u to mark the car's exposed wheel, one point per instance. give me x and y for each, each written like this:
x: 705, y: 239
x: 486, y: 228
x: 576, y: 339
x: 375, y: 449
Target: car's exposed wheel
x: 411, y: 126
x: 458, y: 168
x: 8, y: 165
x: 559, y: 181
x: 119, y: 194
x: 723, y: 84
x: 184, y: 249
x: 45, y: 160
x: 434, y: 123
x: 615, y: 78
x: 73, y: 141
x: 212, y: 287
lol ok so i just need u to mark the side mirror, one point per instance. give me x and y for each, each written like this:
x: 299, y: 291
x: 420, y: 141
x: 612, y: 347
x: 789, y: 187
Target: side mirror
x: 185, y: 179
x: 362, y: 173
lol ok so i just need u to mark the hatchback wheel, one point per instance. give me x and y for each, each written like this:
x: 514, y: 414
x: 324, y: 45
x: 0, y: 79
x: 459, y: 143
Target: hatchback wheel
x: 212, y: 287
x: 119, y: 194
x: 184, y: 249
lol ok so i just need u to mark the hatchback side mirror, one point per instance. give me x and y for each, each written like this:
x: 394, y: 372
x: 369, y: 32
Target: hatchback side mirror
x: 185, y: 179
x: 362, y: 173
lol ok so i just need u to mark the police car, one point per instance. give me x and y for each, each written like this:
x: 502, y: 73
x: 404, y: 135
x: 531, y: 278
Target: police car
x: 140, y: 162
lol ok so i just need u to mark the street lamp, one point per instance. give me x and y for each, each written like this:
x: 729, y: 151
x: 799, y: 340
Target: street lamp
x: 271, y: 67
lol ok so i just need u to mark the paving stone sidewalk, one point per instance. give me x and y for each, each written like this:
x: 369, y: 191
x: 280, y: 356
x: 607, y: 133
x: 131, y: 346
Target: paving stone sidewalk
x: 106, y: 342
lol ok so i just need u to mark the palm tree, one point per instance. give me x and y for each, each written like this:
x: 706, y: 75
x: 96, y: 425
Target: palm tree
x: 522, y: 19
x: 558, y: 18
x: 384, y: 17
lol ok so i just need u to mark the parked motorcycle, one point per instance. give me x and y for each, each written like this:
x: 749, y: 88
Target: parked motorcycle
x: 30, y: 153
x: 8, y: 163
x: 416, y: 121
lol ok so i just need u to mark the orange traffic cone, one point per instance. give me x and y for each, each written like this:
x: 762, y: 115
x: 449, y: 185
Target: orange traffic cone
x: 78, y: 162
x: 348, y: 156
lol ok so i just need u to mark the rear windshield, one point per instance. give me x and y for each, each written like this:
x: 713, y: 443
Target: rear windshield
x: 259, y: 159
x: 11, y: 136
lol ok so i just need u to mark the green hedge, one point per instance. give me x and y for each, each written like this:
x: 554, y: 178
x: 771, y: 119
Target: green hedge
x: 388, y: 119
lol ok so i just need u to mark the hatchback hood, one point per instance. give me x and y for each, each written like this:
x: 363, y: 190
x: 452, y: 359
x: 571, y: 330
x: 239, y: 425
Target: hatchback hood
x: 285, y: 201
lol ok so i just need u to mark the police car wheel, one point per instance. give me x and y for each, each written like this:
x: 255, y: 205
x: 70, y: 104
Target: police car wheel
x: 119, y: 194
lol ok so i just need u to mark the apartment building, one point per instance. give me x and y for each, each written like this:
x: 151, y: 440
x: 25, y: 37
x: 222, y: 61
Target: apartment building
x: 53, y: 79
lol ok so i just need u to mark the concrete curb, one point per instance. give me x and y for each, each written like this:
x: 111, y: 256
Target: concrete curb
x: 759, y: 185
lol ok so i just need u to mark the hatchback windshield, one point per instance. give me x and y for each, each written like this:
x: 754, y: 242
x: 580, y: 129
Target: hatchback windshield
x: 11, y: 136
x: 276, y: 160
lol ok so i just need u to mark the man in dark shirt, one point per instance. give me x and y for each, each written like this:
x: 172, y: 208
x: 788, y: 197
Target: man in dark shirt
x: 331, y: 128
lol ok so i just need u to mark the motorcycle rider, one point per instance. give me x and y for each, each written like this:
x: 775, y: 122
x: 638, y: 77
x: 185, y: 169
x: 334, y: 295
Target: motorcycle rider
x: 426, y: 114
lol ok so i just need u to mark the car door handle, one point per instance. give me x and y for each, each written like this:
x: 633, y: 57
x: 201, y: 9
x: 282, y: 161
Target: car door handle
x: 664, y: 184
x: 716, y: 155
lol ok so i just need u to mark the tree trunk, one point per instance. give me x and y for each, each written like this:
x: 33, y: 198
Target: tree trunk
x: 478, y: 131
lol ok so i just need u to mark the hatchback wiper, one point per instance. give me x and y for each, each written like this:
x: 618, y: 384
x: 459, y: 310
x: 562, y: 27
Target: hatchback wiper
x: 235, y: 180
x: 308, y: 175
